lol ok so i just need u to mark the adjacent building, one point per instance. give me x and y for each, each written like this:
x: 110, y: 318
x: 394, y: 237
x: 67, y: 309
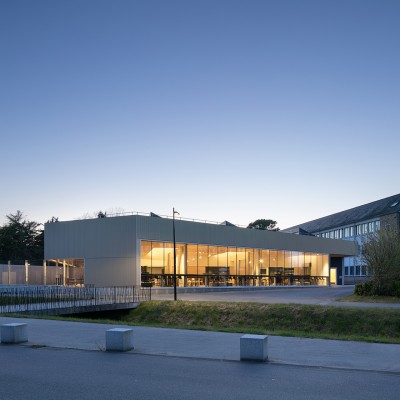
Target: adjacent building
x: 355, y: 224
x: 139, y: 250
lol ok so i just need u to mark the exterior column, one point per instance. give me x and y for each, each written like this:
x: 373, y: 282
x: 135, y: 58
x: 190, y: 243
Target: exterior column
x: 64, y: 270
x: 329, y: 271
x: 44, y: 273
x: 9, y: 272
x: 136, y: 266
x: 26, y: 272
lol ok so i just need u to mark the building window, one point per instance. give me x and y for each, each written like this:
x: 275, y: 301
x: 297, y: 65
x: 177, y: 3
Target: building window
x: 371, y: 227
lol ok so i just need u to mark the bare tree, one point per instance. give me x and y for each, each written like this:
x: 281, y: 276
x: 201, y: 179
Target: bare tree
x: 381, y: 255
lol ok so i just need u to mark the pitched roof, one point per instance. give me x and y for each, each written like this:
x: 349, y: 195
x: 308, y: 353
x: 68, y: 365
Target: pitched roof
x: 388, y: 205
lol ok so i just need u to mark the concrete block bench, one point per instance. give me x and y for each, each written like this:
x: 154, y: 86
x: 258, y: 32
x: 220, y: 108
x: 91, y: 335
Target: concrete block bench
x: 119, y: 339
x: 14, y: 333
x: 254, y: 347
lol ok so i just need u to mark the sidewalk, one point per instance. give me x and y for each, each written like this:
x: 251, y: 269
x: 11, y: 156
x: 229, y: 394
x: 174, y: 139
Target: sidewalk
x: 215, y: 345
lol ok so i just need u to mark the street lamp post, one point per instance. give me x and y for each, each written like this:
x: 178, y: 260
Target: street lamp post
x: 173, y: 233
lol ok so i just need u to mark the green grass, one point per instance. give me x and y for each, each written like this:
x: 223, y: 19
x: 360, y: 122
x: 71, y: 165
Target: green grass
x: 346, y: 323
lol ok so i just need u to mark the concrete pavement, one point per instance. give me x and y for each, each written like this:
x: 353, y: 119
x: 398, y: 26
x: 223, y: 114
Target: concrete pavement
x: 214, y: 345
x: 319, y: 295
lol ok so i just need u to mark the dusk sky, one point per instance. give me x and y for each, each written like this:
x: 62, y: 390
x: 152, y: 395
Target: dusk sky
x: 224, y: 109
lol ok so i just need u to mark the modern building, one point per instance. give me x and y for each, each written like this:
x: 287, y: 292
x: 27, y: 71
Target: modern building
x: 355, y: 224
x: 139, y: 249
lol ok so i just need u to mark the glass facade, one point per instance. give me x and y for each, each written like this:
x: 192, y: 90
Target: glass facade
x: 205, y: 265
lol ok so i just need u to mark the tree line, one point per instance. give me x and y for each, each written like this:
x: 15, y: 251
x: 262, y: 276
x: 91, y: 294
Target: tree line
x: 21, y: 239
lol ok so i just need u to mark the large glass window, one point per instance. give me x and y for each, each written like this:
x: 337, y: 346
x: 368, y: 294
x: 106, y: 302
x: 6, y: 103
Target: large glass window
x: 232, y: 260
x: 241, y: 261
x: 288, y: 260
x: 198, y: 264
x: 281, y: 259
x: 212, y: 259
x: 169, y: 258
x: 257, y: 261
x: 273, y: 260
x: 146, y: 258
x: 203, y: 257
x: 264, y: 262
x: 223, y: 258
x: 250, y: 262
x: 192, y: 258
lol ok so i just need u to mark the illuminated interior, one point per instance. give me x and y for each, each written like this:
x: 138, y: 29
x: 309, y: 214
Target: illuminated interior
x: 204, y: 265
x: 67, y: 272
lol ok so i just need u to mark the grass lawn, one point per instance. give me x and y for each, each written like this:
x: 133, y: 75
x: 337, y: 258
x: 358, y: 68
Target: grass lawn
x: 314, y: 321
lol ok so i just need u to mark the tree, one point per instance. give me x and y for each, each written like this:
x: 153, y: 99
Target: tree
x: 381, y: 255
x: 264, y: 225
x: 21, y: 239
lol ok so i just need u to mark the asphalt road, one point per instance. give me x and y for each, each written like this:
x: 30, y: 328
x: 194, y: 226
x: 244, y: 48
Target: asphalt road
x: 48, y: 374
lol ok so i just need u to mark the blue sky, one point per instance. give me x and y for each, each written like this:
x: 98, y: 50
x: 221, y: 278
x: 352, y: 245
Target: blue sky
x: 224, y: 109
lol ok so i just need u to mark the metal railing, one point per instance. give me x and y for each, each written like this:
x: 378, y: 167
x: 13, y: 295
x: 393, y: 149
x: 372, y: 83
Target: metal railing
x: 41, y: 298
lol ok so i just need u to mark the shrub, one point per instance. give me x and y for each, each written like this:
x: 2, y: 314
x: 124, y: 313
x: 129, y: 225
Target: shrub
x: 367, y: 288
x: 359, y: 289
